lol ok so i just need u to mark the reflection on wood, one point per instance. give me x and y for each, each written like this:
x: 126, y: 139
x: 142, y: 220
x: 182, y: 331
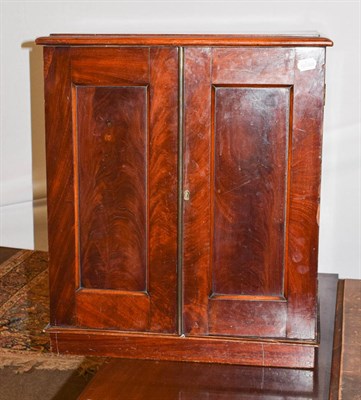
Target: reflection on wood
x: 112, y: 152
x: 138, y: 380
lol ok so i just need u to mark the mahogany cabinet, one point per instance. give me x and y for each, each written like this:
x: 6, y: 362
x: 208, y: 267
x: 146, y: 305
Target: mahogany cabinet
x: 183, y: 196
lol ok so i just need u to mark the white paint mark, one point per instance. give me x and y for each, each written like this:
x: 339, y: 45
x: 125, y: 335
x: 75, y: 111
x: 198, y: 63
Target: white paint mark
x: 306, y: 64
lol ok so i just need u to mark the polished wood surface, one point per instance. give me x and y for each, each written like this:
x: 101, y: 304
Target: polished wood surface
x: 304, y: 194
x: 346, y: 370
x: 135, y: 379
x: 196, y: 218
x: 249, y: 176
x: 162, y: 189
x: 183, y: 40
x: 110, y: 66
x: 212, y: 349
x: 112, y: 182
x: 125, y: 379
x: 60, y: 186
x: 112, y: 162
x: 111, y: 125
x: 184, y: 223
x: 250, y: 225
x: 249, y: 66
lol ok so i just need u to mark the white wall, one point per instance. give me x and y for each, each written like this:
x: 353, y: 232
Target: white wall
x: 22, y: 117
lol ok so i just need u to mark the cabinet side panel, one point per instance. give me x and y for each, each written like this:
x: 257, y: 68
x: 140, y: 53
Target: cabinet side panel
x: 305, y: 192
x: 112, y: 153
x: 250, y: 169
x: 163, y: 128
x: 60, y: 182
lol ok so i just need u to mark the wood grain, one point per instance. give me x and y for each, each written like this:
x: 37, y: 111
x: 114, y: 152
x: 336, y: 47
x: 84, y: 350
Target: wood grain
x: 136, y: 379
x: 163, y: 193
x: 304, y: 195
x: 239, y: 317
x: 113, y: 309
x: 111, y: 123
x: 282, y: 230
x: 60, y: 181
x: 110, y: 66
x: 250, y: 170
x: 253, y: 66
x: 252, y: 119
x: 196, y: 219
x: 222, y: 214
x: 182, y: 40
x: 112, y: 161
x: 178, y: 348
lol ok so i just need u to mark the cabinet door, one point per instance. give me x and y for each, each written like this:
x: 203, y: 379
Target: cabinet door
x: 252, y: 162
x: 112, y: 186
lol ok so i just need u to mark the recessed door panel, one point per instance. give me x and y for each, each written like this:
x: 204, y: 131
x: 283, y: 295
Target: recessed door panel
x: 112, y: 159
x: 249, y: 174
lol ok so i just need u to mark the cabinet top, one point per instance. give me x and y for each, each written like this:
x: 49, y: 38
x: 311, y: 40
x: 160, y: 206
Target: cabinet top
x: 182, y: 40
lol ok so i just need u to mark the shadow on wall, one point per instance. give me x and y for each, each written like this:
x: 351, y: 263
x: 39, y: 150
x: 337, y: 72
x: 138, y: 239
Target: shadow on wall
x: 38, y: 144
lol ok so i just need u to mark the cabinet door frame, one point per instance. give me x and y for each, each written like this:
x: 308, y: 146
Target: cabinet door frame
x: 156, y: 69
x: 294, y: 316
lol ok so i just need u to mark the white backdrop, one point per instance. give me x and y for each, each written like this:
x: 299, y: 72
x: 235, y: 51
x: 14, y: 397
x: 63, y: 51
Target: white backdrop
x: 22, y: 169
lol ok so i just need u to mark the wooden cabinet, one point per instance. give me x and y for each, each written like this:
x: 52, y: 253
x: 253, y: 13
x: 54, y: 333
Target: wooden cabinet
x: 183, y: 195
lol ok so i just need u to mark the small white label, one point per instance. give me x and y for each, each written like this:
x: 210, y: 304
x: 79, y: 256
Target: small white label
x: 307, y: 64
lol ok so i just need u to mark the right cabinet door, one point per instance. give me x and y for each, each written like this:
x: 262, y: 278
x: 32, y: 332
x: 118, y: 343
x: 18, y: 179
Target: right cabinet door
x: 252, y: 153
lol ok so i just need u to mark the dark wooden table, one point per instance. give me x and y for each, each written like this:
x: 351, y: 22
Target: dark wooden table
x: 161, y: 380
x: 346, y: 359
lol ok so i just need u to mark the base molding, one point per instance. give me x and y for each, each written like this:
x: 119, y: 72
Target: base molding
x: 268, y: 353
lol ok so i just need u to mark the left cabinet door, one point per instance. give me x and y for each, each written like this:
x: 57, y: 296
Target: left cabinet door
x: 111, y: 134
